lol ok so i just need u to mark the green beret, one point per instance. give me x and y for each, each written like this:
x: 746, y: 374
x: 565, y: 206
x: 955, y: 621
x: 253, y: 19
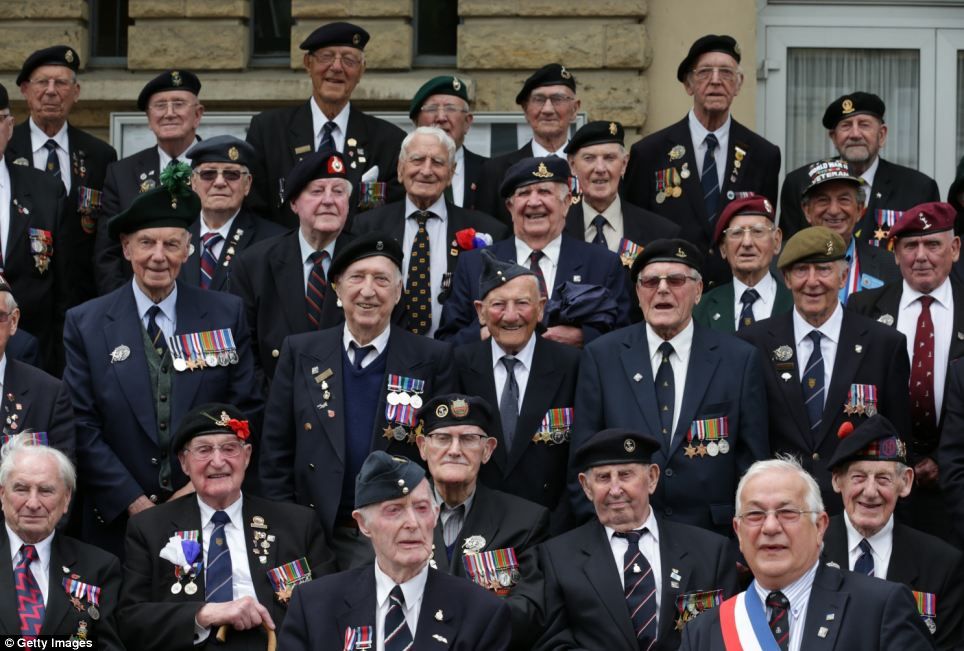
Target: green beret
x: 444, y: 85
x: 813, y: 244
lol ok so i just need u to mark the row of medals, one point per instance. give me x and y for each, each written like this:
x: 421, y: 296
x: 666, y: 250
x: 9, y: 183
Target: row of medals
x: 676, y: 191
x: 403, y: 398
x: 189, y: 588
x: 713, y: 448
x: 221, y: 358
x: 91, y: 609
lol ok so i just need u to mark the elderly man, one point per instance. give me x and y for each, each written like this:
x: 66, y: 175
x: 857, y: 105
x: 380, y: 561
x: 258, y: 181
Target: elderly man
x: 443, y: 102
x: 747, y: 239
x: 870, y: 473
x: 55, y: 585
x: 548, y: 99
x: 834, y: 198
x: 795, y: 602
x: 284, y: 280
x: 430, y: 228
x: 221, y: 178
x: 343, y: 392
x: 824, y: 365
x: 397, y: 602
x: 536, y: 190
x: 248, y: 554
x: 696, y: 389
x: 643, y: 575
x: 46, y: 141
x: 483, y: 534
x: 141, y: 357
x: 174, y: 113
x: 335, y: 61
x: 531, y: 379
x: 855, y: 125
x: 689, y: 170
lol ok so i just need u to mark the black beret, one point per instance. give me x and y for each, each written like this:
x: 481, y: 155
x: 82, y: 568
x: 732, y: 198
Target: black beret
x: 4, y: 285
x: 4, y: 98
x: 324, y: 164
x: 58, y: 55
x: 674, y: 250
x: 222, y: 149
x: 444, y: 85
x: 552, y: 74
x: 210, y: 418
x: 456, y: 409
x: 599, y: 132
x: 169, y: 80
x: 875, y: 439
x: 497, y: 272
x: 336, y: 34
x: 173, y: 204
x: 853, y: 104
x: 366, y: 246
x: 384, y: 477
x: 924, y: 219
x: 615, y: 446
x: 704, y: 44
x: 812, y: 244
x: 534, y: 170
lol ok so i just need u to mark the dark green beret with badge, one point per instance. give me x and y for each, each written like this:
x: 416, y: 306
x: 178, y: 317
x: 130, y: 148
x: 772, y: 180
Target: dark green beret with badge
x: 222, y: 149
x: 443, y: 85
x: 336, y: 34
x: 211, y: 418
x: 169, y: 80
x: 599, y: 132
x: 496, y: 273
x: 366, y: 246
x: 668, y: 250
x: 456, y: 409
x: 385, y: 477
x: 173, y: 205
x: 853, y: 104
x: 534, y: 170
x: 811, y: 245
x: 613, y: 447
x: 875, y: 439
x: 58, y: 55
x: 553, y: 74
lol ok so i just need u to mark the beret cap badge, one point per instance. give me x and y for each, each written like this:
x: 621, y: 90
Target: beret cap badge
x: 565, y: 74
x: 612, y: 128
x: 542, y: 172
x: 629, y: 445
x: 441, y: 411
x: 460, y: 408
x: 847, y: 106
x: 176, y: 78
x: 680, y: 253
x: 829, y: 247
x: 356, y: 39
x: 456, y: 84
x: 69, y: 56
x: 233, y: 153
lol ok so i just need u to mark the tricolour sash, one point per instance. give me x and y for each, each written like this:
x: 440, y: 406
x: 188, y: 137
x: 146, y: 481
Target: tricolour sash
x: 743, y: 622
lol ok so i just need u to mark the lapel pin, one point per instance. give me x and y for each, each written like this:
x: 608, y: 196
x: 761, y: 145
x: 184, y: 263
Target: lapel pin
x: 674, y: 574
x: 960, y: 336
x: 823, y: 631
x: 432, y: 564
x: 439, y: 615
x: 331, y: 413
x: 436, y: 636
x: 577, y: 279
x: 858, y: 349
x: 119, y: 354
x: 830, y: 617
x: 314, y: 370
x: 886, y: 319
x: 783, y: 354
x: 674, y: 584
x: 785, y: 377
x: 65, y: 569
x: 638, y: 377
x: 716, y: 317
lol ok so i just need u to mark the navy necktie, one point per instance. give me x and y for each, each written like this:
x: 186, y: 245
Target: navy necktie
x: 316, y: 287
x: 639, y: 587
x: 361, y: 352
x: 327, y: 140
x: 53, y: 160
x: 813, y: 383
x: 398, y: 637
x: 599, y: 222
x: 509, y: 405
x: 748, y: 298
x: 666, y: 391
x: 710, y: 181
x: 218, y: 578
x: 779, y: 618
x: 865, y: 562
x: 154, y: 331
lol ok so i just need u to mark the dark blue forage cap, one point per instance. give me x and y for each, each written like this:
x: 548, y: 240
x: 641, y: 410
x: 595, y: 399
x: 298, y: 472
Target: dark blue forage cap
x: 385, y: 477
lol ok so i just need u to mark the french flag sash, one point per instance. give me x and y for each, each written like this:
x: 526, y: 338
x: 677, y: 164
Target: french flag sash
x: 743, y: 622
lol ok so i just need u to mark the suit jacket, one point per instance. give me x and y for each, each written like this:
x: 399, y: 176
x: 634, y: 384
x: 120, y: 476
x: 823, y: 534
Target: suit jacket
x: 716, y: 311
x: 454, y: 614
x: 89, y: 158
x: 854, y: 613
x: 269, y: 278
x: 617, y: 389
x: 303, y: 458
x: 487, y: 197
x: 895, y: 188
x: 579, y: 262
x: 119, y: 449
x: 473, y: 170
x: 34, y: 400
x: 867, y: 353
x: 533, y: 471
x: 282, y: 136
x: 69, y: 558
x: 950, y: 455
x: 758, y: 172
x: 923, y: 563
x: 246, y: 230
x: 585, y: 605
x: 639, y: 226
x: 504, y: 521
x: 24, y: 347
x: 153, y: 619
x: 876, y: 262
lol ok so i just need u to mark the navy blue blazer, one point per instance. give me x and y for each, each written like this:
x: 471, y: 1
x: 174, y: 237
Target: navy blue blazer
x: 724, y: 379
x: 579, y: 262
x: 35, y: 400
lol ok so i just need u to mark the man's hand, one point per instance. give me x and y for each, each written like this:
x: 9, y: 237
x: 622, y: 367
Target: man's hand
x: 186, y: 489
x: 926, y: 472
x: 241, y: 614
x: 565, y: 335
x: 138, y: 505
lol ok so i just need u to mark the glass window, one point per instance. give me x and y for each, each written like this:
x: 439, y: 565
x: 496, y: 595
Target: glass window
x: 436, y: 31
x: 108, y: 31
x: 960, y: 105
x: 271, y: 29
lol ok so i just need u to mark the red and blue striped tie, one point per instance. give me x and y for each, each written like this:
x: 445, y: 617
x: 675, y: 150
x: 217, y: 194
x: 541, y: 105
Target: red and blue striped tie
x: 209, y: 262
x: 30, y: 601
x: 639, y: 585
x: 317, y: 286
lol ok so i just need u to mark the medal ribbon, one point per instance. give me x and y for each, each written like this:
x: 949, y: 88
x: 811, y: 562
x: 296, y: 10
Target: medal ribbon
x: 629, y: 248
x: 191, y: 546
x: 926, y: 603
x: 81, y: 590
x: 403, y: 414
x: 294, y: 573
x: 32, y: 438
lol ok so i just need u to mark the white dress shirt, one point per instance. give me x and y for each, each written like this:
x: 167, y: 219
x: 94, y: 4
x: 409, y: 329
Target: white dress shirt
x: 868, y: 177
x: 881, y: 545
x: 306, y: 251
x: 242, y: 585
x: 319, y: 120
x: 522, y: 368
x: 40, y: 568
x: 166, y: 319
x: 413, y: 589
x: 437, y: 229
x: 648, y: 547
x: 165, y: 159
x: 6, y: 197
x: 798, y: 594
x: 612, y: 229
x: 224, y: 231
x: 942, y: 314
x: 830, y: 329
x: 380, y: 343
x: 538, y: 151
x: 762, y: 307
x: 548, y: 263
x: 458, y: 178
x: 698, y: 134
x: 679, y: 360
x: 37, y: 141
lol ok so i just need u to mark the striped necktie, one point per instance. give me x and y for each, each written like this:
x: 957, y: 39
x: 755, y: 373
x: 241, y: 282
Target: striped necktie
x: 779, y: 620
x: 218, y: 578
x: 316, y: 287
x: 865, y: 562
x: 639, y: 586
x: 53, y: 160
x: 398, y: 637
x: 813, y: 383
x: 710, y: 180
x: 154, y: 331
x: 30, y: 601
x: 209, y: 262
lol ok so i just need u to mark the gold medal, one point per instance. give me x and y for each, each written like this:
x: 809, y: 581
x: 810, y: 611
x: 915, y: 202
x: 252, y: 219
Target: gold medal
x: 677, y: 192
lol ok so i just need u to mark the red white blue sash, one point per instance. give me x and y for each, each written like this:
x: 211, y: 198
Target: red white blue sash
x: 743, y: 621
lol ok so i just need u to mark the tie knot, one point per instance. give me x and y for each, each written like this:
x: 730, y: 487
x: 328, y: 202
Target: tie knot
x: 815, y: 337
x: 173, y: 162
x: 777, y: 599
x: 422, y: 216
x: 865, y: 546
x: 361, y: 352
x: 211, y: 238
x: 397, y: 595
x: 535, y: 256
x: 599, y: 221
x: 220, y: 518
x: 509, y: 362
x: 711, y: 142
x: 926, y: 302
x: 153, y: 311
x: 749, y: 296
x: 329, y: 126
x: 632, y: 537
x: 317, y: 257
x: 29, y: 553
x: 51, y: 145
x: 665, y: 349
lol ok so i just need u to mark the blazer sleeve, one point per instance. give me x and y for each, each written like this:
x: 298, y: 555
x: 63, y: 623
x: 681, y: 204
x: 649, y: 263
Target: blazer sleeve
x: 896, y: 402
x: 295, y: 634
x: 244, y: 392
x: 754, y: 422
x: 459, y: 323
x: 527, y: 601
x: 588, y: 420
x: 556, y: 635
x: 60, y: 423
x: 276, y: 468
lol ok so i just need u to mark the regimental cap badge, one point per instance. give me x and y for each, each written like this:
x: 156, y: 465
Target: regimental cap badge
x: 441, y: 411
x: 233, y: 153
x: 460, y: 408
x: 680, y: 253
x: 612, y: 128
x: 176, y: 78
x: 565, y: 74
x: 767, y: 206
x: 847, y: 106
x: 335, y: 166
x: 923, y: 220
x: 69, y: 56
x: 356, y: 39
x: 629, y: 445
x: 379, y: 245
x: 456, y: 84
x: 830, y: 250
x: 542, y: 172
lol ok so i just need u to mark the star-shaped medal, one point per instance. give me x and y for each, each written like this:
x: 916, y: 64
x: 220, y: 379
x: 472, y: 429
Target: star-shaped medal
x: 689, y: 451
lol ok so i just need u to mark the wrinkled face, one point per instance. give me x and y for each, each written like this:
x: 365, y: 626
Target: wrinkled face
x: 778, y: 552
x: 714, y: 82
x: 668, y: 309
x: 599, y: 169
x: 454, y: 454
x: 538, y: 211
x: 925, y: 261
x: 836, y: 205
x: 620, y: 493
x: 859, y: 138
x: 449, y: 113
x: 215, y: 464
x: 869, y: 490
x: 174, y: 114
x: 550, y: 110
x: 816, y: 288
x: 512, y: 311
x: 34, y: 498
x: 50, y: 92
x: 426, y: 170
x: 8, y: 324
x: 334, y: 72
x: 156, y: 255
x: 750, y: 242
x: 226, y: 191
x: 322, y: 206
x: 369, y: 289
x: 401, y: 530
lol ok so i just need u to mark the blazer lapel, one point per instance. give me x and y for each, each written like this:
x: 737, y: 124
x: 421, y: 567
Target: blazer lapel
x: 541, y: 387
x: 783, y: 302
x: 570, y: 264
x: 359, y: 607
x: 722, y: 307
x: 242, y: 232
x: 481, y: 382
x: 782, y: 337
x: 20, y: 199
x: 639, y: 375
x: 601, y: 573
x: 674, y: 561
x: 825, y: 611
x: 329, y: 357
x: 19, y: 394
x: 187, y: 517
x: 9, y: 619
x: 288, y: 274
x: 903, y: 567
x: 844, y: 369
x: 191, y: 270
x: 123, y: 329
x: 300, y: 136
x: 957, y: 335
x: 258, y: 567
x: 433, y: 620
x: 702, y: 367
x: 58, y: 602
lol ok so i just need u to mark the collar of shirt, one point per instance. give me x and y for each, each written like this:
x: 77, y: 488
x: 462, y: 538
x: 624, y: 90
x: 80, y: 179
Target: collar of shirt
x: 649, y: 523
x: 443, y: 507
x: 551, y: 252
x: 233, y: 510
x: 380, y: 342
x: 165, y: 159
x: 797, y: 593
x: 319, y: 119
x: 307, y: 249
x: 4, y: 177
x: 38, y: 138
x: 224, y: 230
x: 881, y: 544
x: 613, y: 214
x: 459, y: 165
x: 168, y: 305
x: 942, y: 295
x: 869, y: 175
x: 829, y: 328
x: 682, y: 343
x: 413, y: 589
x: 43, y: 553
x: 438, y: 208
x: 766, y: 288
x: 698, y: 134
x: 524, y: 356
x: 538, y: 151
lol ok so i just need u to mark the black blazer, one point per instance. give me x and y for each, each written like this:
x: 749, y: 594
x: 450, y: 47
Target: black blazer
x: 487, y: 197
x: 585, y: 605
x: 33, y: 399
x: 876, y: 262
x: 153, y: 619
x: 950, y: 455
x: 715, y: 309
x: 640, y: 226
x: 923, y: 563
x: 473, y: 170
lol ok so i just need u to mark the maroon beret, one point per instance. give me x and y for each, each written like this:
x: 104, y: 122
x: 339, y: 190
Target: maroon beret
x: 753, y: 204
x: 925, y: 218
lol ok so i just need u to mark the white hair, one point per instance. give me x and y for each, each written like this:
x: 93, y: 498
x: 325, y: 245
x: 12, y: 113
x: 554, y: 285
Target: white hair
x: 443, y: 138
x: 784, y: 463
x: 21, y: 446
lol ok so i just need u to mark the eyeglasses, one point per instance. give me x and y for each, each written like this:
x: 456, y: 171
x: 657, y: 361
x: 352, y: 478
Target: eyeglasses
x: 176, y: 105
x: 443, y: 440
x: 673, y: 280
x: 558, y: 99
x: 801, y: 271
x: 206, y: 452
x: 785, y: 515
x: 328, y: 58
x: 448, y: 109
x: 208, y: 176
x: 59, y: 84
x: 5, y: 316
x: 727, y: 75
x: 757, y: 232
